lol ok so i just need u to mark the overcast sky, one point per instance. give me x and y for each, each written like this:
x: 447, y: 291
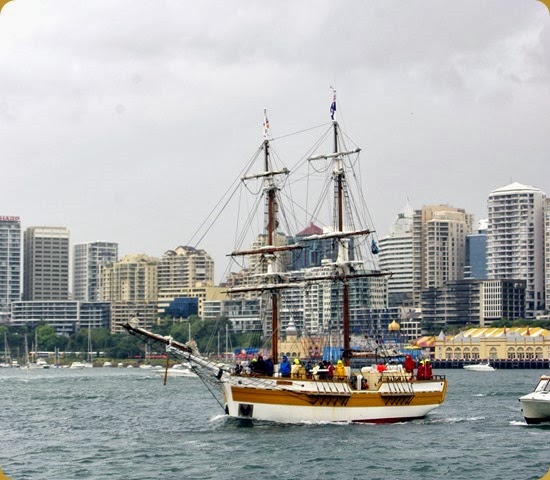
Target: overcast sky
x: 124, y: 119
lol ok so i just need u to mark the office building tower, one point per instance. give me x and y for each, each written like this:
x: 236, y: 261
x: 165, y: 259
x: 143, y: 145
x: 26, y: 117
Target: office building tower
x: 396, y: 256
x: 476, y: 253
x: 88, y: 259
x: 515, y: 240
x: 46, y: 263
x: 439, y: 246
x: 131, y: 286
x: 547, y: 253
x: 10, y: 264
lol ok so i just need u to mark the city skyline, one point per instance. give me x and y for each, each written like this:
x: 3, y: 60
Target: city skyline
x: 218, y: 267
x: 129, y: 131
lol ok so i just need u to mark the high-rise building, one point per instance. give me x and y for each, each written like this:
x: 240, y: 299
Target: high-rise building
x: 515, y: 240
x: 131, y: 286
x: 396, y: 256
x: 185, y: 267
x: 439, y: 246
x: 46, y: 263
x: 10, y: 264
x: 547, y: 252
x: 476, y: 253
x: 88, y: 259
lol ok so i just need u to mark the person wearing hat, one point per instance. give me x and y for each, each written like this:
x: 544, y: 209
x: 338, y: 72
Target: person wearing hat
x: 284, y: 367
x: 340, y: 370
x: 428, y: 369
x: 297, y: 369
x: 421, y: 373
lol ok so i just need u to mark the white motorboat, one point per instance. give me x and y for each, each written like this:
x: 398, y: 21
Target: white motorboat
x: 536, y: 405
x: 480, y: 367
x: 107, y: 364
x: 178, y: 370
x: 77, y: 366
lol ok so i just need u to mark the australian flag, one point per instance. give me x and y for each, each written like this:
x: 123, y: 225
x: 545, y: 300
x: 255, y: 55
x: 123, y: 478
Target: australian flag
x: 333, y: 107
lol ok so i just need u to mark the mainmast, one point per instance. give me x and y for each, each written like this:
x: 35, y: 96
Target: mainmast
x: 343, y: 257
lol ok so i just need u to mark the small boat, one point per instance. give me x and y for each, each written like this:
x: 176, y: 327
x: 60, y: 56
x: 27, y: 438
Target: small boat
x: 536, y: 405
x: 120, y: 365
x: 107, y: 364
x: 77, y: 366
x: 480, y: 367
x: 178, y: 370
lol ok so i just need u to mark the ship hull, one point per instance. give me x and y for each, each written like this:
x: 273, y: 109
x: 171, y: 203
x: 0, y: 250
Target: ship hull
x: 314, y: 401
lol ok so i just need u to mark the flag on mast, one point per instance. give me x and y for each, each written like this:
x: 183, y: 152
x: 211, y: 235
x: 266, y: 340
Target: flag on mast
x: 333, y: 104
x: 266, y: 124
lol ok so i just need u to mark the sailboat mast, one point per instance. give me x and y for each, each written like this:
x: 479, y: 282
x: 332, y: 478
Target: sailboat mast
x: 342, y: 253
x: 271, y: 226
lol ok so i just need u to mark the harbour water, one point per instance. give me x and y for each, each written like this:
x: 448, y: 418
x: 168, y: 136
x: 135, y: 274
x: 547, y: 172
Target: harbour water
x: 124, y: 424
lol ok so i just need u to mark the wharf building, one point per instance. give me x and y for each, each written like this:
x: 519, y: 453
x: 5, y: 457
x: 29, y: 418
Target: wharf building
x: 88, y: 259
x: 515, y: 240
x: 512, y: 347
x: 10, y: 264
x: 46, y: 263
x: 130, y: 285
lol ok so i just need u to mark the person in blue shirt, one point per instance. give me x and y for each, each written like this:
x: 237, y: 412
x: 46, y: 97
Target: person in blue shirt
x: 284, y: 367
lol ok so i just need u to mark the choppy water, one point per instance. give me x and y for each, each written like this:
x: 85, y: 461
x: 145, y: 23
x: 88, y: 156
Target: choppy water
x: 124, y: 424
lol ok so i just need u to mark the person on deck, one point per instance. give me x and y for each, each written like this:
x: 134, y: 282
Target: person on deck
x: 428, y: 370
x: 340, y: 371
x: 421, y: 373
x: 296, y: 368
x: 409, y: 364
x: 258, y: 366
x: 268, y: 367
x: 284, y: 367
x: 330, y: 368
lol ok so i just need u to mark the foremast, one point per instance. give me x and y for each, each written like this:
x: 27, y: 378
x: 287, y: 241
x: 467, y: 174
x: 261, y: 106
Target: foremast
x: 270, y: 250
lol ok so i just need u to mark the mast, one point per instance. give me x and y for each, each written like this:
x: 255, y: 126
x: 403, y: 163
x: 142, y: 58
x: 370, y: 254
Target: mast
x: 343, y: 256
x: 271, y: 227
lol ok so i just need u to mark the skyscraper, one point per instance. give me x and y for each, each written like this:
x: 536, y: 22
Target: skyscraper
x: 88, y: 259
x: 476, y: 253
x: 515, y: 240
x: 439, y: 246
x: 46, y: 263
x: 10, y: 263
x: 396, y: 253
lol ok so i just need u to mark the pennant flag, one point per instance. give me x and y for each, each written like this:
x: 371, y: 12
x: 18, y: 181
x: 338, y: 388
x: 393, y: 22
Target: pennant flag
x: 333, y: 104
x: 266, y: 124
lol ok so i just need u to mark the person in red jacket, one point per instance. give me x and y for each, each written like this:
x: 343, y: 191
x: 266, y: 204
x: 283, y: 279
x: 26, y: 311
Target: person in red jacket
x: 420, y: 374
x: 428, y: 370
x: 409, y: 364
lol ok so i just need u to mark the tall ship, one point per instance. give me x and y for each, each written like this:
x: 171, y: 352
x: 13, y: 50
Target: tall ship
x: 352, y: 392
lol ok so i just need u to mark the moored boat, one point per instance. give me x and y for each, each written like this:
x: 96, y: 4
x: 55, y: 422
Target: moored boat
x: 536, y: 405
x: 364, y: 394
x: 480, y: 367
x: 177, y: 370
